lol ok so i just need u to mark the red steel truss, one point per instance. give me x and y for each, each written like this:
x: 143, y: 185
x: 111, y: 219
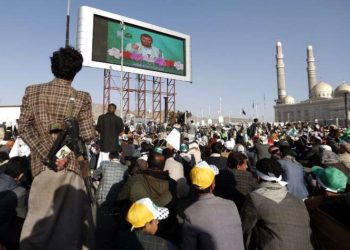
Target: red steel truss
x: 126, y: 93
x: 171, y: 94
x: 157, y: 98
x: 140, y: 94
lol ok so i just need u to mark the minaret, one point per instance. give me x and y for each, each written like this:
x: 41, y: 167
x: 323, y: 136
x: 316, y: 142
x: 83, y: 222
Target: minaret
x: 281, y: 82
x: 311, y: 69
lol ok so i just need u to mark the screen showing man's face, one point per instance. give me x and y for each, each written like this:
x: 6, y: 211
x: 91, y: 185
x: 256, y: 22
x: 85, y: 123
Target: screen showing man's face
x: 143, y: 49
x: 146, y: 41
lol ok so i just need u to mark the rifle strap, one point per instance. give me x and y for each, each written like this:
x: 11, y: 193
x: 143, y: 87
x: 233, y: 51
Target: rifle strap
x: 71, y: 104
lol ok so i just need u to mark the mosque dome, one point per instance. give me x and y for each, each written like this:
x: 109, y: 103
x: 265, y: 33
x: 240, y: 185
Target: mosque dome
x: 341, y: 89
x: 322, y: 90
x: 288, y: 100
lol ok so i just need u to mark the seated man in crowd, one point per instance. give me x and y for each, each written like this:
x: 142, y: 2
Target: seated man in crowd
x: 186, y: 158
x: 312, y: 156
x: 155, y: 184
x: 111, y: 175
x: 272, y: 218
x: 211, y: 222
x: 275, y: 152
x: 144, y: 216
x: 13, y: 205
x: 194, y: 149
x: 228, y: 186
x: 152, y: 182
x: 128, y: 148
x: 329, y: 210
x: 175, y: 168
x: 261, y: 148
x: 237, y: 163
x: 141, y: 163
x: 215, y: 157
x: 293, y: 173
x: 329, y: 158
x: 176, y: 172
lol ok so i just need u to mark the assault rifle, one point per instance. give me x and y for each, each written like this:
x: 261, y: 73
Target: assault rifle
x: 68, y: 135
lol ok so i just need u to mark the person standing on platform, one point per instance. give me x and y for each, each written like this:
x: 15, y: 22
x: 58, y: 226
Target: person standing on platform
x: 109, y: 126
x: 59, y: 213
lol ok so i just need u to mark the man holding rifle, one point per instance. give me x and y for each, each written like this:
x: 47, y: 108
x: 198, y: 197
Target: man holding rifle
x: 53, y: 116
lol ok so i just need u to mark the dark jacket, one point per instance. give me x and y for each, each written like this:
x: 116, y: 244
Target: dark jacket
x: 187, y: 162
x: 12, y: 211
x: 161, y: 189
x: 217, y: 160
x: 245, y: 181
x: 139, y: 240
x: 261, y: 151
x: 312, y: 156
x: 7, y: 183
x: 109, y: 126
x: 274, y: 219
x: 334, y: 143
x: 226, y: 187
x: 330, y: 222
x: 148, y: 183
x: 251, y: 131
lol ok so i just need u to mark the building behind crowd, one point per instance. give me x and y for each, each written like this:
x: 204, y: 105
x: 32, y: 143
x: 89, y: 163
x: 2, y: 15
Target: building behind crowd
x: 325, y: 105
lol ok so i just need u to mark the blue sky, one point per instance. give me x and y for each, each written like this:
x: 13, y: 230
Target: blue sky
x: 233, y: 47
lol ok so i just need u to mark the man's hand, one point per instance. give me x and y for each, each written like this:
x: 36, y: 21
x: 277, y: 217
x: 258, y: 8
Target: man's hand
x: 135, y: 46
x: 61, y: 164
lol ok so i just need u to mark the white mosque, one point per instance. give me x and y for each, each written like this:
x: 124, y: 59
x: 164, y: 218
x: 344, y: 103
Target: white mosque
x: 325, y: 105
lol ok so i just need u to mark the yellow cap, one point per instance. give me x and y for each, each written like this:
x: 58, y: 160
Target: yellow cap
x: 202, y: 175
x: 143, y: 211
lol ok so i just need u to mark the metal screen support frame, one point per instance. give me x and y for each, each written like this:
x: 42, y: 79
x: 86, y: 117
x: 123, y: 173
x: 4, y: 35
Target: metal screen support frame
x: 157, y: 98
x: 171, y: 94
x: 141, y: 95
x: 126, y: 93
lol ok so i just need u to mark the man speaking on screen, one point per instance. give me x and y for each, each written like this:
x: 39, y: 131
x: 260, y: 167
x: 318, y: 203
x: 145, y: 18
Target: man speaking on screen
x: 149, y: 52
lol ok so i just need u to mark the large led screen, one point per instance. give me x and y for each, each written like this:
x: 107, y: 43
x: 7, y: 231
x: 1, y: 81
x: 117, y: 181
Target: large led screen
x: 147, y: 49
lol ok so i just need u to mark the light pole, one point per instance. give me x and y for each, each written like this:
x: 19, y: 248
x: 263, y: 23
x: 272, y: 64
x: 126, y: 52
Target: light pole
x: 122, y: 27
x: 67, y: 23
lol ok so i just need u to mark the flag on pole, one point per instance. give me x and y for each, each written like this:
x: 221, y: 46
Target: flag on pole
x: 243, y: 112
x: 253, y: 106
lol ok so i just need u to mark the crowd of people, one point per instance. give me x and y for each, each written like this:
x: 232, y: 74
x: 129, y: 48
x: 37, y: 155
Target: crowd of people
x: 282, y: 187
x: 234, y: 186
